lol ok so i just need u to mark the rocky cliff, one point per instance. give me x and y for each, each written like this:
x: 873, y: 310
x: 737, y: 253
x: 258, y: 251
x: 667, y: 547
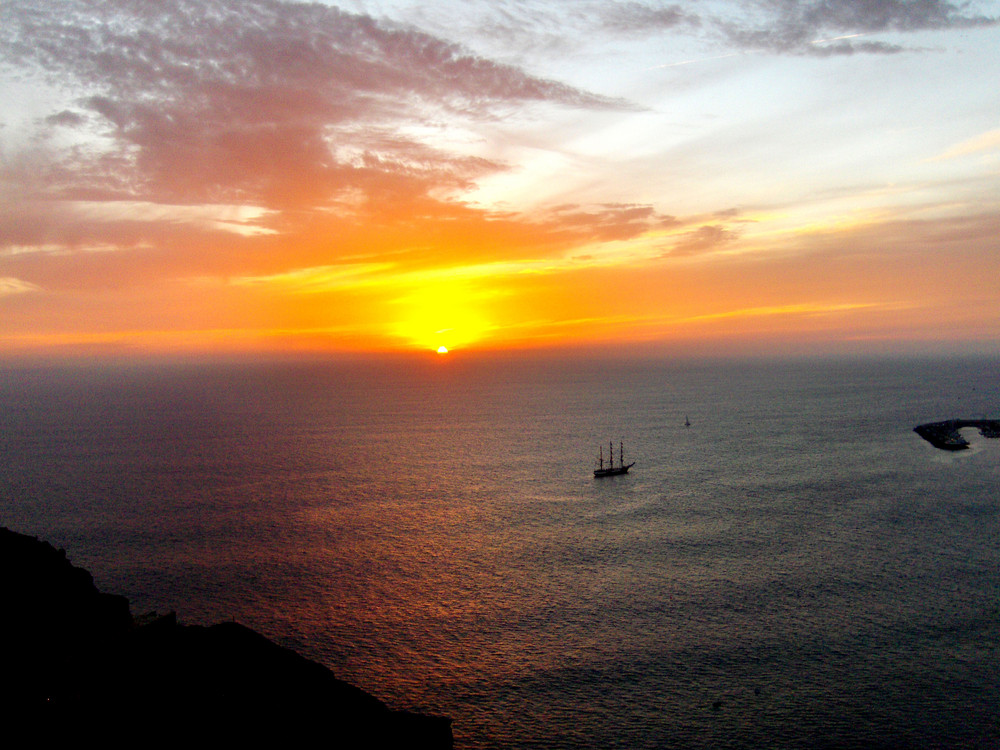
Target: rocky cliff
x: 78, y: 666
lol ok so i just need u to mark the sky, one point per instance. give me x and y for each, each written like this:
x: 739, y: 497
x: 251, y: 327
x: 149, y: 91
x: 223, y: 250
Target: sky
x: 714, y: 176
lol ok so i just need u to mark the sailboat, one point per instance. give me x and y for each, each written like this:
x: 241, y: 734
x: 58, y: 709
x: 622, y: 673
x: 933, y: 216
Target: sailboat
x: 687, y: 422
x: 611, y: 470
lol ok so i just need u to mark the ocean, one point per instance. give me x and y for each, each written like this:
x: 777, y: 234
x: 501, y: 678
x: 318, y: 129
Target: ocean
x: 796, y: 569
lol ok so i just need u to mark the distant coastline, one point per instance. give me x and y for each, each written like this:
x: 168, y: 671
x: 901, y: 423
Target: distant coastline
x: 945, y: 435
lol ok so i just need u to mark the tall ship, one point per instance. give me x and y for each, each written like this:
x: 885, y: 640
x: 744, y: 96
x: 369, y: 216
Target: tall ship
x: 611, y: 470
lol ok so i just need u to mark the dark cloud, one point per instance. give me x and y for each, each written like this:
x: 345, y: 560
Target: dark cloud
x: 843, y: 47
x: 253, y: 100
x: 794, y: 26
x: 704, y: 239
x: 789, y: 26
x: 66, y: 118
x: 889, y: 15
x: 607, y: 222
x: 641, y: 17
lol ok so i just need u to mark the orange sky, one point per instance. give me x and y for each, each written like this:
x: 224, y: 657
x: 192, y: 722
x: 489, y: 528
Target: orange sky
x: 284, y: 177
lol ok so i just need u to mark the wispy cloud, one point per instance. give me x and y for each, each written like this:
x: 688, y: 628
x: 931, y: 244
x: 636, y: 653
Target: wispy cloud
x: 256, y: 135
x: 608, y: 222
x: 225, y: 100
x: 812, y: 27
x: 799, y: 309
x: 316, y: 279
x: 704, y: 239
x: 10, y: 286
x: 644, y: 18
x: 982, y: 143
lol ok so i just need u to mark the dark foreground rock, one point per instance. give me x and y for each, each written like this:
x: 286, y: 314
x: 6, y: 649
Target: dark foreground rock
x: 78, y: 666
x: 946, y: 436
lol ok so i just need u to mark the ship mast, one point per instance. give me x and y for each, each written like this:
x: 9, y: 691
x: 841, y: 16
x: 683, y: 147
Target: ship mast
x: 602, y: 458
x: 621, y: 453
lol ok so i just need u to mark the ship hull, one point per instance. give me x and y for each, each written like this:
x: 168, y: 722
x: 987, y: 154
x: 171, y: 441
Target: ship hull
x: 613, y: 471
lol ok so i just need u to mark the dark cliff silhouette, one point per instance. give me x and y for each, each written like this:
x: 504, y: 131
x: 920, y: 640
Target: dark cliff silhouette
x: 76, y: 665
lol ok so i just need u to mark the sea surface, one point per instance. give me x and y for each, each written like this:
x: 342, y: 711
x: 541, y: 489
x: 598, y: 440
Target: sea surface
x: 796, y: 569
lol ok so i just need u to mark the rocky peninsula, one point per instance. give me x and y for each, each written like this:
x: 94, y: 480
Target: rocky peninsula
x: 946, y: 436
x: 78, y: 666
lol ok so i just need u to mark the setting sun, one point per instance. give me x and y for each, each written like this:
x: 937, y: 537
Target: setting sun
x: 441, y: 315
x: 442, y: 350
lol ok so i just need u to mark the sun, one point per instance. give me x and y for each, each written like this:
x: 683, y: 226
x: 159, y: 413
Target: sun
x: 440, y: 317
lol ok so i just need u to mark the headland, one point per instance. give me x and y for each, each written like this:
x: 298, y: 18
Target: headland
x: 946, y: 436
x: 78, y: 666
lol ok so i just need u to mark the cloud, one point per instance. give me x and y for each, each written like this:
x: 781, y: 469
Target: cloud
x: 888, y: 15
x: 821, y: 28
x: 66, y: 119
x: 982, y: 143
x: 800, y: 309
x: 86, y: 225
x: 605, y: 223
x: 800, y: 27
x: 233, y: 100
x: 706, y: 238
x: 10, y: 286
x: 633, y: 17
x: 323, y: 278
